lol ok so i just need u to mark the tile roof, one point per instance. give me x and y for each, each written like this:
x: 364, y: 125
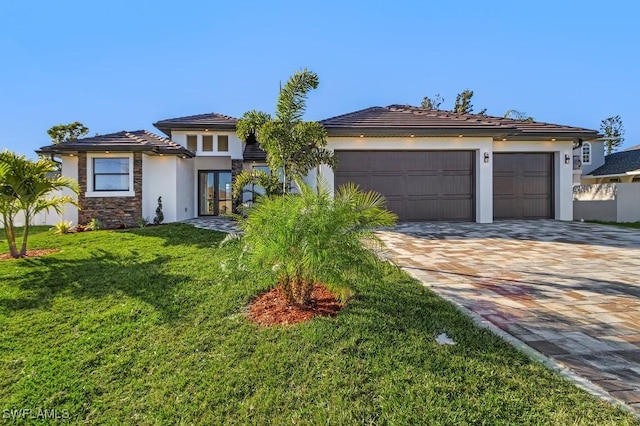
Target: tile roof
x: 402, y: 120
x: 139, y: 140
x: 619, y: 163
x: 253, y: 152
x: 210, y: 121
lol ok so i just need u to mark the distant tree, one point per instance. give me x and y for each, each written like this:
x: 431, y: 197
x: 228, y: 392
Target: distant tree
x: 62, y: 133
x: 613, y: 131
x: 517, y: 115
x: 432, y: 103
x: 463, y: 102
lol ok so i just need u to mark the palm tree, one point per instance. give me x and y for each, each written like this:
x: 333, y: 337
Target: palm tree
x: 311, y: 237
x: 26, y: 186
x: 293, y: 146
x: 9, y: 209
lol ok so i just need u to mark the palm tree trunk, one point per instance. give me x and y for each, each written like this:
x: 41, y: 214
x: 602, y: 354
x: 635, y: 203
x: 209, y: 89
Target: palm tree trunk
x: 10, y: 234
x: 25, y: 235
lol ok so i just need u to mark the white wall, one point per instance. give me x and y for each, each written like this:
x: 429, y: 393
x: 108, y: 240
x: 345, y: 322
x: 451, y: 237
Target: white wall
x: 69, y: 213
x: 628, y: 202
x: 69, y: 169
x: 235, y: 144
x: 185, y: 184
x: 159, y: 180
x: 615, y: 202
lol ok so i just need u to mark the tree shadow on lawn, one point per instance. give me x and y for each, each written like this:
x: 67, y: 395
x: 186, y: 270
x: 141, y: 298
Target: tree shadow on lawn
x: 100, y: 275
x: 180, y: 234
x: 393, y: 304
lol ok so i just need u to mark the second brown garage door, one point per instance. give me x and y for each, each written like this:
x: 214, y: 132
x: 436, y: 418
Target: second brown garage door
x: 418, y: 185
x: 522, y: 185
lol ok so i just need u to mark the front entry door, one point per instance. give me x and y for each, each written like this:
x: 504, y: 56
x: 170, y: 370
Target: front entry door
x: 214, y: 189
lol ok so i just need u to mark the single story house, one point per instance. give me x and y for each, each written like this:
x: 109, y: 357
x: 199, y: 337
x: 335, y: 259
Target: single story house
x: 429, y: 164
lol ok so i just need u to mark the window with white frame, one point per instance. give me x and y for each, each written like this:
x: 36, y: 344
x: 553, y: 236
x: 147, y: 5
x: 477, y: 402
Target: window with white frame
x: 586, y: 153
x: 111, y: 174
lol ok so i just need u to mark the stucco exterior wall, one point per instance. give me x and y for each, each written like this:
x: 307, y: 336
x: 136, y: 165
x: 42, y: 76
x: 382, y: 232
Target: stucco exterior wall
x: 159, y: 180
x: 611, y: 202
x: 69, y: 169
x: 628, y: 202
x: 235, y: 144
x: 597, y: 157
x: 185, y: 183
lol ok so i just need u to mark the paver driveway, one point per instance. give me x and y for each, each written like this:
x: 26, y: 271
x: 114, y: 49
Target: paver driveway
x: 569, y: 290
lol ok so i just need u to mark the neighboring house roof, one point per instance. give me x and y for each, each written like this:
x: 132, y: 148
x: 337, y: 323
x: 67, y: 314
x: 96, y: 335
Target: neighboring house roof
x: 620, y: 163
x: 139, y: 140
x: 253, y: 152
x: 406, y: 120
x: 201, y: 121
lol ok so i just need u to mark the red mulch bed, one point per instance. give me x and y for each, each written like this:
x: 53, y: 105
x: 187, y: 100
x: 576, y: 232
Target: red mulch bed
x: 30, y: 253
x: 272, y: 308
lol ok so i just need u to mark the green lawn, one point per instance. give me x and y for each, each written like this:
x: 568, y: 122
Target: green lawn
x: 141, y: 327
x: 634, y: 225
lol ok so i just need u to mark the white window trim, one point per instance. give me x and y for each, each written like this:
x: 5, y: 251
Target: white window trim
x: 106, y: 194
x: 215, y: 152
x: 582, y: 152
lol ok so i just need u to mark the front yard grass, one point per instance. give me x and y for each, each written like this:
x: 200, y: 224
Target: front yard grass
x: 142, y: 327
x: 633, y: 225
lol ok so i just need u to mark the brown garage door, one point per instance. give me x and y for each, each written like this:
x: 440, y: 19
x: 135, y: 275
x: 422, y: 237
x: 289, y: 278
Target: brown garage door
x: 418, y: 185
x: 522, y: 185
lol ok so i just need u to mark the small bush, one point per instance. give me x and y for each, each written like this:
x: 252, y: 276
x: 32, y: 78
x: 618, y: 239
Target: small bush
x: 80, y: 228
x: 94, y: 225
x: 311, y: 237
x: 62, y: 227
x: 142, y: 221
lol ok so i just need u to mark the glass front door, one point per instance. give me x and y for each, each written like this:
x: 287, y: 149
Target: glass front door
x: 214, y: 188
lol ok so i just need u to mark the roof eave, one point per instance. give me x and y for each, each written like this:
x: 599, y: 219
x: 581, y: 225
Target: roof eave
x: 167, y: 128
x: 339, y: 131
x: 622, y: 174
x: 68, y: 149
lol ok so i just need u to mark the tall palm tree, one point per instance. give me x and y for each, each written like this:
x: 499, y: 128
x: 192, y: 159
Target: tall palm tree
x: 293, y: 147
x: 27, y: 186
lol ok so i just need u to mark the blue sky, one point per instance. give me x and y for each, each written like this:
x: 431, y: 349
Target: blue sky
x: 122, y: 65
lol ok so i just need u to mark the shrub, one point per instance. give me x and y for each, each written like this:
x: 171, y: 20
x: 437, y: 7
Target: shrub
x: 159, y: 215
x: 142, y: 221
x: 308, y: 238
x: 62, y: 227
x: 80, y: 228
x: 94, y: 225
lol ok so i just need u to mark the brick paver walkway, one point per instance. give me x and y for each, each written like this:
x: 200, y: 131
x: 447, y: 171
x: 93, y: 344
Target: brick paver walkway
x: 569, y: 290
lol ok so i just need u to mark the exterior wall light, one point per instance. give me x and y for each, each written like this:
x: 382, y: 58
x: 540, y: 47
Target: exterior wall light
x: 486, y: 157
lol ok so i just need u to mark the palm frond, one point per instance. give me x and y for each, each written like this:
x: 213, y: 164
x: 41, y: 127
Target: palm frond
x: 292, y: 99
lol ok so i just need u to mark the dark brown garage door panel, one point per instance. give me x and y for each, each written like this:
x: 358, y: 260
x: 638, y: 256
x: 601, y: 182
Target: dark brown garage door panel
x: 523, y: 185
x: 418, y: 185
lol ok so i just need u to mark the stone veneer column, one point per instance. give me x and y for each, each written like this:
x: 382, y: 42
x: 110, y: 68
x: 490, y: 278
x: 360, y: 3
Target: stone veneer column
x: 112, y: 211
